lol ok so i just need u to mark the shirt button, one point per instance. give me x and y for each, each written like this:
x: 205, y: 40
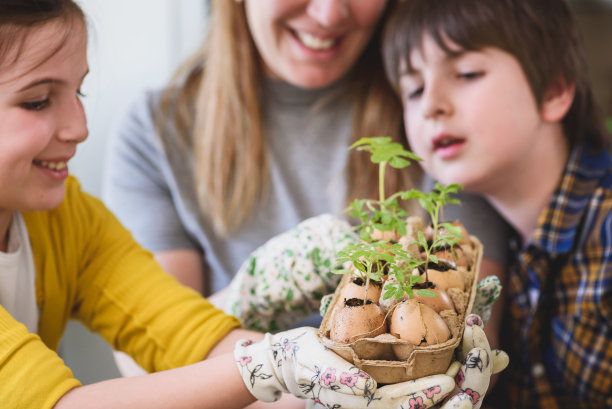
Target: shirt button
x: 538, y: 370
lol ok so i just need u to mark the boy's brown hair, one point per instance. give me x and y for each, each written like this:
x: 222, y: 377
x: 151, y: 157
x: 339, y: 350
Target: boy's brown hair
x: 540, y: 34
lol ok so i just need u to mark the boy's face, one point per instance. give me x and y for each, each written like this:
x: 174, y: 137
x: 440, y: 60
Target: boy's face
x: 472, y: 116
x: 41, y: 118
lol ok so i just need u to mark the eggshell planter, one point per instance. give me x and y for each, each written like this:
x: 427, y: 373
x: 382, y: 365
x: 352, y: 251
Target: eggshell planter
x: 389, y: 359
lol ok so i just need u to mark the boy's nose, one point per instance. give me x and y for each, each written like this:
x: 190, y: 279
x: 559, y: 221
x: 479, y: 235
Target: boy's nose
x: 329, y: 13
x: 435, y: 103
x: 72, y: 125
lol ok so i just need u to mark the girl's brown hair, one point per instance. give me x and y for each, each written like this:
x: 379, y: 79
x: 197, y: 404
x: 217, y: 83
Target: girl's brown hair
x: 214, y: 106
x: 540, y: 34
x: 18, y: 18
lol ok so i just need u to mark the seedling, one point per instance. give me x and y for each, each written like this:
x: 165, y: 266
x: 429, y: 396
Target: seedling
x: 433, y: 203
x: 384, y: 214
x: 374, y: 258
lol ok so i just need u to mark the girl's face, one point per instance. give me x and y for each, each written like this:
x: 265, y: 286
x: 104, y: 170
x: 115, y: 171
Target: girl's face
x: 472, y: 117
x: 311, y: 44
x: 41, y: 117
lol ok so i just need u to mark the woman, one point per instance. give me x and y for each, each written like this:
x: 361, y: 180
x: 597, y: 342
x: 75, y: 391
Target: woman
x: 252, y: 137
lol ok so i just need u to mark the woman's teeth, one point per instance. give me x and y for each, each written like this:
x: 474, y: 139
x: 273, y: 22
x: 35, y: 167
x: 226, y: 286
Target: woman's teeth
x: 52, y: 165
x: 316, y: 43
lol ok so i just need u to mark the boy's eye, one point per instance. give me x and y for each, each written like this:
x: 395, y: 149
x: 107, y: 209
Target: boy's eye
x: 35, y: 105
x: 81, y: 94
x: 415, y: 93
x: 471, y: 75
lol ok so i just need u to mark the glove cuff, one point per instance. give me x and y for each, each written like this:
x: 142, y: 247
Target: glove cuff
x: 257, y: 370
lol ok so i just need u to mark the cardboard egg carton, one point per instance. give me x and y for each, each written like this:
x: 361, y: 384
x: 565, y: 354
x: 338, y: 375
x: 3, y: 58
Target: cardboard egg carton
x: 389, y: 359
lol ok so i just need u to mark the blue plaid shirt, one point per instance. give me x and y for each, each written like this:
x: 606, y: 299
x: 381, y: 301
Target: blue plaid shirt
x: 560, y: 293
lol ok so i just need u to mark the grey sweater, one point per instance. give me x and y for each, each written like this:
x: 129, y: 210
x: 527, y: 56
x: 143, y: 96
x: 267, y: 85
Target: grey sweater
x: 149, y: 183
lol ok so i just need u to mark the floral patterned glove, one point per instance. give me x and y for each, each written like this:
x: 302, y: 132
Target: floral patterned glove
x: 478, y: 363
x: 487, y: 292
x: 296, y: 362
x: 283, y: 281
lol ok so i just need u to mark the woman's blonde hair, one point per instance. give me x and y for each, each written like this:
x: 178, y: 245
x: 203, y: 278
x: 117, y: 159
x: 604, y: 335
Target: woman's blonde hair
x: 214, y: 106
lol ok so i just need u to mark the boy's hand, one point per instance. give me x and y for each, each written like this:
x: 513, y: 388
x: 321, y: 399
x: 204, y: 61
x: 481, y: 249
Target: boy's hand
x: 283, y: 281
x: 296, y: 362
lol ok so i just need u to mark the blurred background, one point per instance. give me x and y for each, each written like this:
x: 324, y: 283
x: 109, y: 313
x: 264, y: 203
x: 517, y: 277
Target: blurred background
x: 137, y: 44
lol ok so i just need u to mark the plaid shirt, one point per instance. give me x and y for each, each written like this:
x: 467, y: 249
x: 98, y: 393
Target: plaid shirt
x: 560, y: 295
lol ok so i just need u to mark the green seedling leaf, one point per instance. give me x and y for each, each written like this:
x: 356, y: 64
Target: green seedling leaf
x: 422, y: 241
x: 426, y: 293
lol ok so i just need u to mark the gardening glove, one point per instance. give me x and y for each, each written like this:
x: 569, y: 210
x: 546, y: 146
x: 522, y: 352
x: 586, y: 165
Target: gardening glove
x: 487, y: 292
x: 296, y: 362
x: 478, y: 363
x: 282, y: 282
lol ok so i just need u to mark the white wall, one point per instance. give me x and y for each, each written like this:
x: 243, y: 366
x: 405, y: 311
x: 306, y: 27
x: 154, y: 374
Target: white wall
x: 134, y: 45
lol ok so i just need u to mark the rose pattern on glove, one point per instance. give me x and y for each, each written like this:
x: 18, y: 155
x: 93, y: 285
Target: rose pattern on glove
x: 473, y: 319
x: 477, y: 367
x: 254, y: 373
x: 475, y: 396
x: 431, y: 392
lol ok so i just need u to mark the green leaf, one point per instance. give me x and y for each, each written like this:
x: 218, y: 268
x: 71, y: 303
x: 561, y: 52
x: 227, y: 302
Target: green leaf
x: 398, y: 163
x: 422, y: 241
x: 416, y: 279
x: 426, y: 293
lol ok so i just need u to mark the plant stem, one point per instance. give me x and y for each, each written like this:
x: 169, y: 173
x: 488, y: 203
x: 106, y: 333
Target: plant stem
x: 381, y: 181
x: 367, y: 284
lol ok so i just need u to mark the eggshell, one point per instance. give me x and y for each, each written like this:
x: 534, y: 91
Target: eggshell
x: 354, y: 290
x: 438, y: 303
x: 418, y: 324
x: 446, y: 279
x: 385, y: 235
x: 355, y: 322
x: 456, y: 256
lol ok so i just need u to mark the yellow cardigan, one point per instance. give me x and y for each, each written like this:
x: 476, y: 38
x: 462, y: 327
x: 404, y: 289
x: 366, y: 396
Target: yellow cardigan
x: 90, y: 268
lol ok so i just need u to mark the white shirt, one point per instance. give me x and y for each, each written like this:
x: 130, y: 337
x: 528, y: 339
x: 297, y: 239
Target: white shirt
x: 18, y: 276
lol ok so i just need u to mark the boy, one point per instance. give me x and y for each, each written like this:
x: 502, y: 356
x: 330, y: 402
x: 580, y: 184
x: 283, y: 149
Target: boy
x: 496, y: 98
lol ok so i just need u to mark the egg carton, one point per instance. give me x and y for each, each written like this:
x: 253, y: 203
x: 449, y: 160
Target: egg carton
x: 389, y: 359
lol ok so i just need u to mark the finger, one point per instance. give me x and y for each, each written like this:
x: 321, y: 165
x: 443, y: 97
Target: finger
x: 475, y: 374
x: 459, y: 401
x: 419, y: 393
x: 319, y: 367
x: 473, y: 335
x: 453, y: 369
x: 423, y: 392
x: 500, y: 360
